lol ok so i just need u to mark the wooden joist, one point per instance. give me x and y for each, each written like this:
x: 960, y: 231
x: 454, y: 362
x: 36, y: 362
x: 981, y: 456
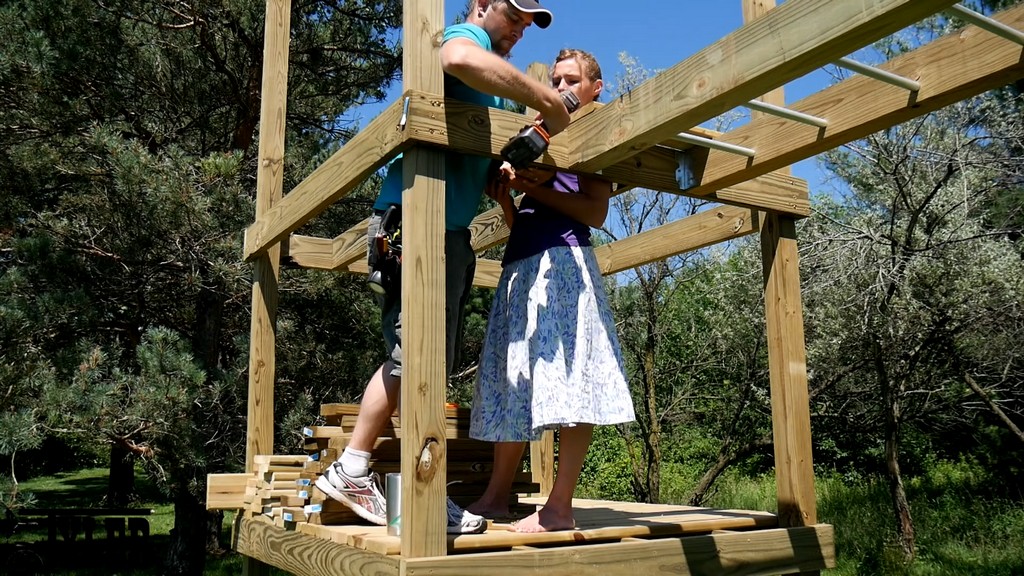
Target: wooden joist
x: 338, y: 175
x: 758, y: 57
x: 963, y: 64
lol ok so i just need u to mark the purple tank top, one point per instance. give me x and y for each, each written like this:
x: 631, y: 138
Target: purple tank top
x: 538, y: 227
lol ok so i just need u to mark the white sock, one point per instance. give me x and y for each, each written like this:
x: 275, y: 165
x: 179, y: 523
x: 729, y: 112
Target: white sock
x: 355, y: 462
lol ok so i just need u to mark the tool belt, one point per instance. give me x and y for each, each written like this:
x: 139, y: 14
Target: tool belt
x: 386, y: 268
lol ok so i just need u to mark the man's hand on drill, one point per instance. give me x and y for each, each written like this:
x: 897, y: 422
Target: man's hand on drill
x: 554, y: 115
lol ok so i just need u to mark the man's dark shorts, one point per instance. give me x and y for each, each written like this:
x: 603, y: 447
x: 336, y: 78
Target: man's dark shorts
x: 460, y: 266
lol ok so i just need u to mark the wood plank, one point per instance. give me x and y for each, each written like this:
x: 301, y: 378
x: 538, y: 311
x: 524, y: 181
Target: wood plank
x: 280, y: 459
x: 655, y: 170
x: 542, y: 462
x: 226, y: 491
x: 319, y: 432
x: 691, y: 233
x: 337, y: 410
x: 760, y: 56
x: 467, y: 128
x: 350, y: 245
x: 303, y: 555
x: 442, y: 122
x: 753, y: 9
x: 786, y: 194
x: 424, y: 378
x: 787, y: 372
x: 370, y: 149
x: 774, y: 551
x: 308, y: 252
x: 958, y: 66
x: 266, y: 270
x: 423, y: 391
x: 495, y: 539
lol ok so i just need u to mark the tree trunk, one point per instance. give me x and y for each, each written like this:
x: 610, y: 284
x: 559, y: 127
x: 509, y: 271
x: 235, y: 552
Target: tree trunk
x: 121, y: 481
x: 653, y: 441
x: 901, y: 506
x: 214, y: 523
x: 893, y: 416
x: 186, y: 551
x: 726, y: 457
x: 207, y: 330
x: 1013, y: 428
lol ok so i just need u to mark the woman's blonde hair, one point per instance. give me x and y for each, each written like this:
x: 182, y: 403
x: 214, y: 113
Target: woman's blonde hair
x: 590, y: 66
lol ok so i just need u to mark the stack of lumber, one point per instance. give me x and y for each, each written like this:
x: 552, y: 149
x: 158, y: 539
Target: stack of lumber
x: 469, y: 463
x: 282, y: 487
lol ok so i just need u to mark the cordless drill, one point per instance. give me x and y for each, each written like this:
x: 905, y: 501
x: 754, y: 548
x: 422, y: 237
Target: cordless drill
x: 532, y: 140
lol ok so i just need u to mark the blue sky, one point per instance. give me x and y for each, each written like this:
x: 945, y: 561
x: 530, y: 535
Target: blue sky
x: 657, y: 34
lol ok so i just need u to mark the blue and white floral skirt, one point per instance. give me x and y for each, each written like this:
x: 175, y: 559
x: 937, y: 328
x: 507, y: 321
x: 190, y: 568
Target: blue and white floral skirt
x: 551, y: 355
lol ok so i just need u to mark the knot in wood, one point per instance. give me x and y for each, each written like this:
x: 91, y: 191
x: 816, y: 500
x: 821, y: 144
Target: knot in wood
x: 479, y: 121
x: 426, y: 468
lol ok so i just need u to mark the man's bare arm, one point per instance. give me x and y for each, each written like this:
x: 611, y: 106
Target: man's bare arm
x: 491, y: 74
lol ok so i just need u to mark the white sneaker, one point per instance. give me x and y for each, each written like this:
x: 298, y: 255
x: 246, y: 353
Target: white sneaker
x: 361, y: 494
x: 464, y: 522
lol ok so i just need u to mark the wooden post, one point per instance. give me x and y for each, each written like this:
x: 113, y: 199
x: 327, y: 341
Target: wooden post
x: 266, y: 268
x: 424, y: 447
x: 787, y: 357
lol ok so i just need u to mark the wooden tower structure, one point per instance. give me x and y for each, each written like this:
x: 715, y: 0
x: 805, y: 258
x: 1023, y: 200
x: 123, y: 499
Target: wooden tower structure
x: 646, y: 138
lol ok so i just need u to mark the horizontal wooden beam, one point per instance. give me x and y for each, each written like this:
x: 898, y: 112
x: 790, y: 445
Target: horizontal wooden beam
x: 961, y: 65
x: 370, y: 149
x: 950, y: 69
x: 700, y: 230
x: 309, y: 252
x: 783, y: 193
x: 306, y: 555
x: 789, y: 41
x: 772, y: 551
x: 707, y: 228
x: 470, y: 129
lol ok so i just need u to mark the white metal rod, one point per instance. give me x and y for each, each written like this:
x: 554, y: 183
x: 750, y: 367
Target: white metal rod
x: 878, y: 74
x: 786, y: 113
x: 986, y: 23
x: 715, y: 144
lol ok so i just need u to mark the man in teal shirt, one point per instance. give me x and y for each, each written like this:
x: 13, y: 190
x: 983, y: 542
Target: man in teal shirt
x: 473, y: 56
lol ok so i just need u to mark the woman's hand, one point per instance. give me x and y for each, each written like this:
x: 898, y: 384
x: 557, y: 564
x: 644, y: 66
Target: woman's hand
x: 499, y: 189
x: 533, y: 176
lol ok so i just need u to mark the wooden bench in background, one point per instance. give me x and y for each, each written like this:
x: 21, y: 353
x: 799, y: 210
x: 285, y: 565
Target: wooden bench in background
x: 69, y: 522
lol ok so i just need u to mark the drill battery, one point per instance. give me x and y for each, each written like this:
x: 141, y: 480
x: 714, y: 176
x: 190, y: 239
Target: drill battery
x: 531, y: 142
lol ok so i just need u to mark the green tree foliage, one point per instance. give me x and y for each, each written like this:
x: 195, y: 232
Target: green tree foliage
x: 917, y: 293
x: 130, y: 129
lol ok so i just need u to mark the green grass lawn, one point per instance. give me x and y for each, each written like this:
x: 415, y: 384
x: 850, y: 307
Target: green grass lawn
x: 86, y: 489
x: 958, y: 531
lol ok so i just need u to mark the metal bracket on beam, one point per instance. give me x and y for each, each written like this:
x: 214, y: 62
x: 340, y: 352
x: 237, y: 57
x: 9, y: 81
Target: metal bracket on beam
x: 684, y: 170
x: 786, y: 113
x: 985, y: 23
x: 714, y: 144
x: 405, y: 114
x: 878, y: 74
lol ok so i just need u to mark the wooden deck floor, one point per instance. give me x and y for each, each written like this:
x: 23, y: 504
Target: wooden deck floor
x: 596, y: 521
x: 611, y: 538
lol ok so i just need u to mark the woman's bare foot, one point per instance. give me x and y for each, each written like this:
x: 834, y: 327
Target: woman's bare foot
x: 546, y: 520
